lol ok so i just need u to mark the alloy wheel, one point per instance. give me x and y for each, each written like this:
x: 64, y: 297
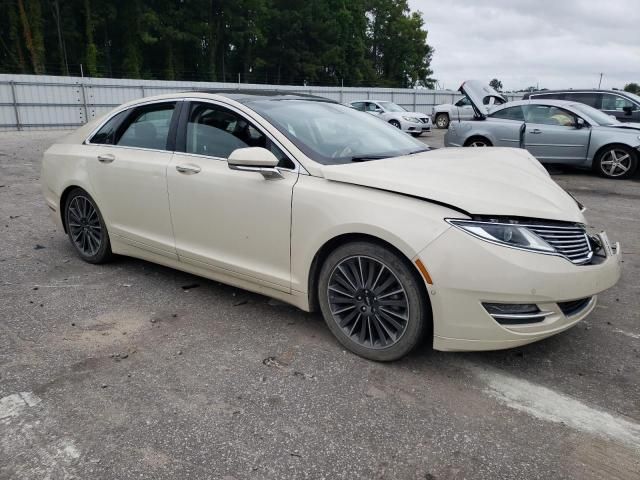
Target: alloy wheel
x: 615, y: 163
x: 478, y: 143
x: 368, y: 302
x: 83, y: 222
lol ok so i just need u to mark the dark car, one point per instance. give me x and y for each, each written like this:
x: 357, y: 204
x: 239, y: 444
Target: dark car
x: 625, y: 106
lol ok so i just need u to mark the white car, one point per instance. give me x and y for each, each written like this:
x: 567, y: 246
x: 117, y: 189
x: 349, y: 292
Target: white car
x: 411, y: 122
x: 463, y: 109
x: 310, y: 202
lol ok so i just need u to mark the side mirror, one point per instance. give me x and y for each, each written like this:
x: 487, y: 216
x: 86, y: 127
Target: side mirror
x: 580, y: 123
x: 628, y: 110
x: 255, y: 159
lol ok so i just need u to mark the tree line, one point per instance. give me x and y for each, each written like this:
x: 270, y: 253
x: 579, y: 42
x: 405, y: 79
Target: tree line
x: 328, y: 42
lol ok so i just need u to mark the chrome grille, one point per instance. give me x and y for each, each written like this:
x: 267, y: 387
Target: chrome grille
x: 571, y: 242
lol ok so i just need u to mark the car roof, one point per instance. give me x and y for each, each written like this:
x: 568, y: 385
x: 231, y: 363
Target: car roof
x: 370, y: 100
x: 555, y: 103
x: 250, y: 95
x: 576, y: 90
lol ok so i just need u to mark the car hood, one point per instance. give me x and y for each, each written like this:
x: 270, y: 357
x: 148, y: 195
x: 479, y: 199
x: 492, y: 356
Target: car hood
x: 625, y: 126
x: 476, y: 91
x: 479, y: 181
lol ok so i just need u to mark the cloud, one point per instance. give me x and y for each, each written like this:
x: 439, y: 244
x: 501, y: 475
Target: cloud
x: 550, y: 43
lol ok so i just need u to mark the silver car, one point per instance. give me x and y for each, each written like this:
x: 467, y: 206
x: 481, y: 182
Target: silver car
x: 411, y: 122
x: 553, y: 131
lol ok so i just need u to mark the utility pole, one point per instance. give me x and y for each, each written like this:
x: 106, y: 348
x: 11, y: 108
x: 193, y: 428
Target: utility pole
x: 600, y: 82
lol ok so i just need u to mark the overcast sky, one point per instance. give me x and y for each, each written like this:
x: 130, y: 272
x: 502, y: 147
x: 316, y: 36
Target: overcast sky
x: 550, y: 43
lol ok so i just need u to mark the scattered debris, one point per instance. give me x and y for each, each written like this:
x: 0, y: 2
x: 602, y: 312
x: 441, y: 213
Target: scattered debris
x: 126, y: 285
x: 273, y: 362
x: 73, y: 324
x: 174, y: 315
x: 190, y: 286
x: 306, y: 376
x: 35, y: 288
x: 104, y: 385
x: 240, y: 302
x: 179, y: 352
x: 14, y: 216
x: 296, y: 453
x: 153, y: 320
x: 39, y: 247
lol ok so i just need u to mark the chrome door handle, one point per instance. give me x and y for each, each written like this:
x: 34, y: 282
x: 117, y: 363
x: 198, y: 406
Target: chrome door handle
x: 188, y: 169
x: 107, y: 158
x: 535, y: 131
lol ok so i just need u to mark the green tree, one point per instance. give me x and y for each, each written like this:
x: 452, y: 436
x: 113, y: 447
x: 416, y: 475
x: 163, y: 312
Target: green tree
x: 632, y: 88
x: 496, y: 84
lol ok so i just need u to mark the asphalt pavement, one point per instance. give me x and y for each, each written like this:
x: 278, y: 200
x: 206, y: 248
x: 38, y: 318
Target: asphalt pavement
x: 133, y: 370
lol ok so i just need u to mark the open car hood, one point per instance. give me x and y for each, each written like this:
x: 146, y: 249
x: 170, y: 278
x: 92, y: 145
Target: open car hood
x: 478, y: 181
x: 478, y: 93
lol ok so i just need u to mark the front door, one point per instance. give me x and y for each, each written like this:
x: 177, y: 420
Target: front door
x: 233, y: 221
x: 127, y: 162
x: 551, y: 135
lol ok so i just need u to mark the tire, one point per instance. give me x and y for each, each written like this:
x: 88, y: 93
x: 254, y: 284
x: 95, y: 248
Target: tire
x: 395, y: 123
x: 478, y: 142
x: 382, y: 329
x: 442, y: 120
x: 86, y: 228
x: 616, y: 162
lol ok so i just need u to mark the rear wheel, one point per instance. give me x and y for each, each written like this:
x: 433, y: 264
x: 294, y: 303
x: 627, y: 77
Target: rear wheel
x: 477, y: 142
x: 395, y: 123
x: 372, y: 302
x: 616, y: 161
x: 442, y: 120
x: 86, y: 228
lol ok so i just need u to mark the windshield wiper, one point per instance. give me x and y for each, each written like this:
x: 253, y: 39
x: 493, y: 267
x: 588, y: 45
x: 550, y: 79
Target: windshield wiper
x: 366, y: 158
x: 419, y: 151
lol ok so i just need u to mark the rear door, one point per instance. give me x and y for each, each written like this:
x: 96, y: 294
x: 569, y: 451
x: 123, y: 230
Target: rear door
x: 506, y: 125
x: 551, y: 135
x: 127, y: 162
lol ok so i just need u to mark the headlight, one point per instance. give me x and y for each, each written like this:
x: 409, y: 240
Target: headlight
x: 411, y: 119
x: 511, y: 235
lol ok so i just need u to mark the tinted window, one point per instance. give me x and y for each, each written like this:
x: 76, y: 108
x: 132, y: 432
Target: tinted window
x: 548, y: 115
x: 511, y: 113
x: 358, y: 106
x: 588, y: 98
x: 216, y: 131
x: 612, y: 102
x: 549, y: 96
x: 147, y: 127
x: 107, y: 135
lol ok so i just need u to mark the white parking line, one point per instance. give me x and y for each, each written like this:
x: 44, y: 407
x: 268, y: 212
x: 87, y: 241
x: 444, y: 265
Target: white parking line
x: 546, y: 404
x: 628, y: 334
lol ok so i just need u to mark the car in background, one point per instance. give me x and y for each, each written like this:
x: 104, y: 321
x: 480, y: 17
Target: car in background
x: 411, y: 122
x: 625, y: 106
x: 553, y: 131
x: 462, y: 110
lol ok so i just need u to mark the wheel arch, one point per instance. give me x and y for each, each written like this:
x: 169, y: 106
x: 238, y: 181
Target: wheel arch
x: 330, y: 245
x: 479, y: 136
x: 607, y: 146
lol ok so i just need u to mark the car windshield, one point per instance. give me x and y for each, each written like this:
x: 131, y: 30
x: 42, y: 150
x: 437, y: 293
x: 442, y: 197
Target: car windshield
x: 596, y: 115
x: 331, y: 133
x: 392, y: 107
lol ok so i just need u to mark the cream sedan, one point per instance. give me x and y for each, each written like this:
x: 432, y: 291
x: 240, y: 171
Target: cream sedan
x: 310, y: 202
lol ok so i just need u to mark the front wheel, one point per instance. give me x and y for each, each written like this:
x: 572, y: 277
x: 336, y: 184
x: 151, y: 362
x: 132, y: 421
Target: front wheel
x: 442, y: 120
x: 86, y: 228
x: 395, y: 123
x: 477, y: 142
x: 372, y: 302
x: 616, y: 161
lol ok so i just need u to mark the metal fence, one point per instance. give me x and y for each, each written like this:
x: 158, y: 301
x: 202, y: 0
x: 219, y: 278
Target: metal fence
x: 29, y: 102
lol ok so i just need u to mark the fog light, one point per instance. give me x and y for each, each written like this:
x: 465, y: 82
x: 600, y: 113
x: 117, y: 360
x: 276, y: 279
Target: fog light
x: 515, y: 313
